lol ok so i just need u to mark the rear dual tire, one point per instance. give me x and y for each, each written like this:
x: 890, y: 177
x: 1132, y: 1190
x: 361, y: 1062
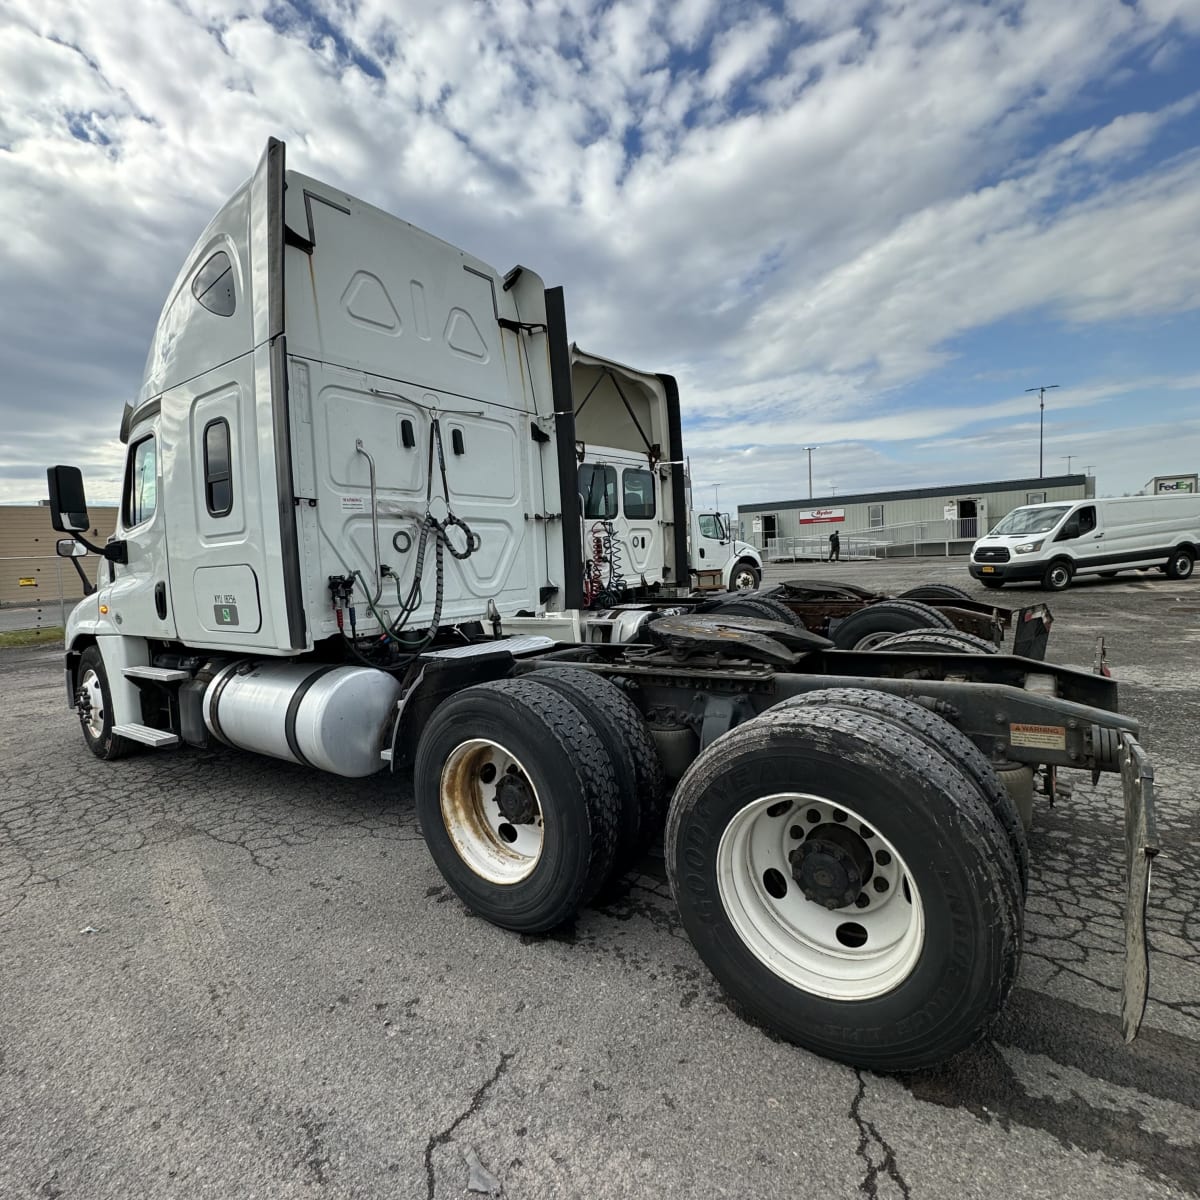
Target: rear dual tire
x: 526, y: 854
x: 945, y: 949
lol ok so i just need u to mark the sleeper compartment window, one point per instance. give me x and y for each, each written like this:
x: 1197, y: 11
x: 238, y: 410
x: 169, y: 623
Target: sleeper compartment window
x: 218, y: 474
x: 213, y: 285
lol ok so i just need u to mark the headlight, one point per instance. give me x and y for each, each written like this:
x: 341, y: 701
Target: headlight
x: 1029, y: 547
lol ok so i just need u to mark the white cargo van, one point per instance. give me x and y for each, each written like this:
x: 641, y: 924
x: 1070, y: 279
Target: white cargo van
x: 1055, y: 542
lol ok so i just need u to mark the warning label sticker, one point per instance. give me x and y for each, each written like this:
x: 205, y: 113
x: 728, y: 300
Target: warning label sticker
x: 354, y: 504
x: 1038, y: 737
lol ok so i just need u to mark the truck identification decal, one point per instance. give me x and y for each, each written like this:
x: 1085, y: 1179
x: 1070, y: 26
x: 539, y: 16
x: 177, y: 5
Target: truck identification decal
x: 1038, y: 737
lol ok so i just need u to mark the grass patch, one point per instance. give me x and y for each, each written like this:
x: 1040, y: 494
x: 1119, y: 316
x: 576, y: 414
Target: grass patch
x: 48, y: 635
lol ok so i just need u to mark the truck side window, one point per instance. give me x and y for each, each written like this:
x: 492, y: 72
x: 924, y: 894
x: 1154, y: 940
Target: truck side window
x: 710, y: 527
x: 1087, y: 519
x: 141, y: 483
x: 638, y: 485
x: 213, y: 285
x: 598, y: 487
x: 218, y: 476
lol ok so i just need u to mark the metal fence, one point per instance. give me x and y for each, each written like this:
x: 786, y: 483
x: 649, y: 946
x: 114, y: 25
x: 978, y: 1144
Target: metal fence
x: 941, y: 537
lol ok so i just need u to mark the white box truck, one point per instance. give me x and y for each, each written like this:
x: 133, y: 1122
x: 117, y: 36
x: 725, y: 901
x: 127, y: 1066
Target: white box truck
x: 356, y: 454
x: 1053, y: 543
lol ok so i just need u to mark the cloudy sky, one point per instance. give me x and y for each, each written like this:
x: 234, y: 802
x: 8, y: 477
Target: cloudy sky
x: 865, y: 226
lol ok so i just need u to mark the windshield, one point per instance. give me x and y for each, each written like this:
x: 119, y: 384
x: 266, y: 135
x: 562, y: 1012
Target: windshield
x: 1031, y: 520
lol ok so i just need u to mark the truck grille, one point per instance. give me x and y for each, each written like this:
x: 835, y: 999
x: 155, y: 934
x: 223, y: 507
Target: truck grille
x: 992, y: 554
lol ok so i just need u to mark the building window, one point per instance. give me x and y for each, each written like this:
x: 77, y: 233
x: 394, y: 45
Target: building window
x: 1035, y: 497
x: 598, y: 487
x: 141, y: 483
x: 638, y: 488
x: 874, y: 516
x: 218, y: 473
x: 213, y: 285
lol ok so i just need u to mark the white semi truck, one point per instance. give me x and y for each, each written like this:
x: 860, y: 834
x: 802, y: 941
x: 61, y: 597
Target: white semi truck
x: 357, y: 454
x: 632, y: 546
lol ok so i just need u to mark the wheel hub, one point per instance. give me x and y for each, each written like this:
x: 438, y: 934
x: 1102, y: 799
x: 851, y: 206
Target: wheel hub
x: 515, y: 799
x: 832, y: 866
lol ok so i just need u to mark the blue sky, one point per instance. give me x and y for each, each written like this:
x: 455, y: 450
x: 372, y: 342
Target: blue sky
x: 866, y: 226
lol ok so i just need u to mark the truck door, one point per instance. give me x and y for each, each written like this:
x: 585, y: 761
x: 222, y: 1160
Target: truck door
x: 1089, y: 547
x: 710, y: 547
x: 643, y: 532
x: 140, y: 595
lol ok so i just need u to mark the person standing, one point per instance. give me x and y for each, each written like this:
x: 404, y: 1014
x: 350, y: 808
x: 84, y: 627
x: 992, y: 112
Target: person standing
x: 835, y: 547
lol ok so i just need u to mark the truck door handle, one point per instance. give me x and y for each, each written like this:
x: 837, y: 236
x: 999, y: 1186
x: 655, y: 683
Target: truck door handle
x: 160, y: 600
x: 1097, y: 535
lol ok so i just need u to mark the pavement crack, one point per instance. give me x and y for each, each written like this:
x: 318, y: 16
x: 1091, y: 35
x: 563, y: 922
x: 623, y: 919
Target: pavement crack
x: 868, y: 1135
x: 440, y: 1139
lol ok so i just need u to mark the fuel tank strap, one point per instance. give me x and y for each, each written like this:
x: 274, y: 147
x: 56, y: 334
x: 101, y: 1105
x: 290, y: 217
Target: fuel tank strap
x: 293, y: 709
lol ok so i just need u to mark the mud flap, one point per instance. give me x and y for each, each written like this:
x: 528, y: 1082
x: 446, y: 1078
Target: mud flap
x: 1141, y: 845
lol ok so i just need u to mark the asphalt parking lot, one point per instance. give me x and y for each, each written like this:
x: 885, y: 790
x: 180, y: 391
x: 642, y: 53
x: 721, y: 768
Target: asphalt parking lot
x: 226, y: 976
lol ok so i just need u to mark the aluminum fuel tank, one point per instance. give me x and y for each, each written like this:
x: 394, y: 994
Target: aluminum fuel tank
x: 329, y: 717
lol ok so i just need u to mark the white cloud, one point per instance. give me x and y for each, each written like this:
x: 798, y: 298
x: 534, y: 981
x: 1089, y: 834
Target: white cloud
x: 888, y: 190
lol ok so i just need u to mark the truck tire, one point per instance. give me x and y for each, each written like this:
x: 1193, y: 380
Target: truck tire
x: 898, y: 981
x: 759, y: 606
x: 935, y: 591
x: 954, y: 640
x: 94, y: 704
x: 862, y: 629
x: 949, y: 741
x: 1058, y: 575
x: 1181, y: 564
x: 745, y: 576
x: 993, y: 585
x: 526, y: 855
x: 626, y: 737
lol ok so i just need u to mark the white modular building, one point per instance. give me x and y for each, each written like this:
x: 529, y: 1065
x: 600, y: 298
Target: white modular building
x: 930, y: 520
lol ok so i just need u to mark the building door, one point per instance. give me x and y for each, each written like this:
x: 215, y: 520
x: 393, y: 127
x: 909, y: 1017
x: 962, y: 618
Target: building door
x: 769, y: 532
x: 968, y: 519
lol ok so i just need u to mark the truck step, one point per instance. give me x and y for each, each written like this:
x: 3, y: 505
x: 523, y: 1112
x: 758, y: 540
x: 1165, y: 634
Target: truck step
x: 157, y: 674
x: 158, y: 738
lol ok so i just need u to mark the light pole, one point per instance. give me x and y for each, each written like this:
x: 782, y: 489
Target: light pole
x: 832, y: 489
x: 716, y: 497
x: 810, y: 449
x: 1068, y: 457
x: 1041, y: 391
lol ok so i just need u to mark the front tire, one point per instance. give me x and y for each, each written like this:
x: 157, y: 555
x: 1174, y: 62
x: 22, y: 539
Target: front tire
x: 1181, y: 564
x: 745, y: 576
x: 518, y: 803
x: 899, y: 982
x: 1057, y: 577
x: 94, y: 703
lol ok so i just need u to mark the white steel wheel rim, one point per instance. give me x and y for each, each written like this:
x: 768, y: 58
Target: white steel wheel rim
x: 744, y: 580
x: 799, y: 940
x: 94, y: 721
x: 1059, y: 576
x: 496, y: 849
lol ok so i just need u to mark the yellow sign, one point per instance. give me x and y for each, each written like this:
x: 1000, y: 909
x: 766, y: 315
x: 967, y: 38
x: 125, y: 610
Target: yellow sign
x: 27, y: 583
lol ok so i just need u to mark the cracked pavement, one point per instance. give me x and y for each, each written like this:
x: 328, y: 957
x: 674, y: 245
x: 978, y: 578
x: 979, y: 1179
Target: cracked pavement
x: 222, y: 975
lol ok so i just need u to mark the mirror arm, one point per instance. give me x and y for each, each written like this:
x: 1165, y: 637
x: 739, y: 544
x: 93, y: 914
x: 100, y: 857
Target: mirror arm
x: 88, y: 586
x: 113, y: 551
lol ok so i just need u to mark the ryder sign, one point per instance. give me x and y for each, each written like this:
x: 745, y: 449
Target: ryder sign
x: 817, y: 516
